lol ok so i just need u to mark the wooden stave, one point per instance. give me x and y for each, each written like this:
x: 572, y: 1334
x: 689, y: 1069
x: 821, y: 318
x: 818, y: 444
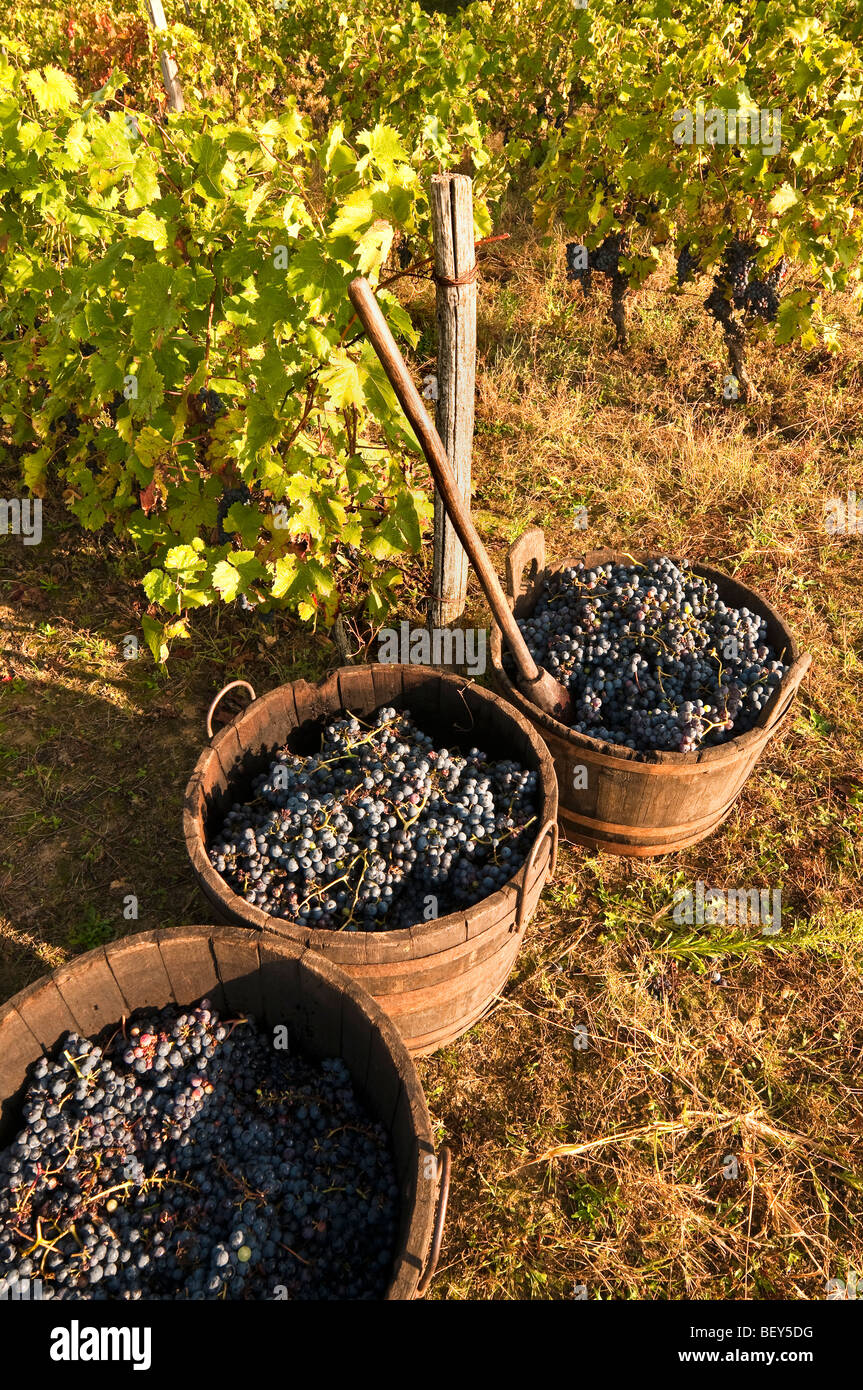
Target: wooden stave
x: 430, y: 692
x: 195, y: 962
x: 725, y: 768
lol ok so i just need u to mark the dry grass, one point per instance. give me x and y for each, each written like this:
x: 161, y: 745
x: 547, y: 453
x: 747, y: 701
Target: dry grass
x: 605, y: 1167
x: 600, y: 1167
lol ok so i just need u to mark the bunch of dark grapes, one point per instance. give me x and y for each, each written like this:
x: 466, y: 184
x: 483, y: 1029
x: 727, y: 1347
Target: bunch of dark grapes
x: 114, y: 404
x: 70, y: 423
x: 226, y: 502
x: 652, y: 656
x: 605, y: 260
x: 208, y: 406
x: 606, y: 257
x: 688, y: 263
x: 734, y: 286
x: 736, y: 268
x: 186, y: 1158
x: 574, y: 271
x: 363, y: 834
x: 405, y: 255
x: 730, y: 285
x: 762, y: 296
x: 642, y: 214
x: 718, y: 305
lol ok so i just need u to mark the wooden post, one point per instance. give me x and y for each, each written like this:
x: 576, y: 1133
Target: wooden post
x: 170, y: 79
x: 455, y: 259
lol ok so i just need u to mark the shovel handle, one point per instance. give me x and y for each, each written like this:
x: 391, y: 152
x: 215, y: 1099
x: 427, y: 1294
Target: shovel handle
x: 384, y: 344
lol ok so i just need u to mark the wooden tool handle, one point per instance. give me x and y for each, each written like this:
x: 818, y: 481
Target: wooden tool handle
x: 384, y: 344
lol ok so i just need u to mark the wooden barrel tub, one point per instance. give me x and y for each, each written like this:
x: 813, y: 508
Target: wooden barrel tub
x: 434, y: 979
x: 619, y: 800
x: 278, y: 982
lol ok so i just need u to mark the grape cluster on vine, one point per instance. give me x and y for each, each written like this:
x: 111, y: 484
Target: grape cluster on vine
x: 653, y: 657
x: 378, y: 825
x: 688, y: 265
x: 70, y: 423
x: 187, y: 1158
x: 735, y: 287
x: 208, y: 406
x: 762, y: 296
x: 226, y: 502
x: 575, y: 271
x: 604, y: 259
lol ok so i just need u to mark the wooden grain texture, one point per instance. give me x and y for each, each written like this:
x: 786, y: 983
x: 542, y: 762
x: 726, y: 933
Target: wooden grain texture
x: 525, y: 570
x: 238, y: 965
x: 442, y: 964
x: 139, y: 971
x: 18, y: 1048
x: 187, y: 955
x: 170, y: 73
x: 417, y: 1011
x: 45, y: 1012
x: 280, y: 981
x: 440, y: 934
x: 229, y: 751
x: 417, y: 1194
x: 259, y: 729
x: 382, y: 1080
x: 422, y: 693
x: 321, y: 1006
x: 387, y: 685
x: 634, y: 804
x: 455, y: 312
x: 396, y: 977
x: 356, y: 1041
x: 309, y: 705
x: 353, y: 692
x: 284, y: 712
x: 90, y: 992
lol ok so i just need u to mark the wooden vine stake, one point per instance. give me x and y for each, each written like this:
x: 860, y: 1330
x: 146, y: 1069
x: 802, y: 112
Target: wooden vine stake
x: 169, y: 68
x: 455, y: 261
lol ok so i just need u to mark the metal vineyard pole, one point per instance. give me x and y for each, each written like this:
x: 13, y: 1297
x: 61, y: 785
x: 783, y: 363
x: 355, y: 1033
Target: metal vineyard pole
x: 169, y: 68
x: 455, y: 278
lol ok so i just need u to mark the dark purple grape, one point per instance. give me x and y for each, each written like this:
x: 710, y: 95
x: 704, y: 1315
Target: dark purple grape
x: 226, y: 502
x: 606, y: 257
x: 574, y: 271
x: 688, y: 264
x: 380, y: 829
x: 137, y: 1185
x: 652, y: 656
x: 209, y: 406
